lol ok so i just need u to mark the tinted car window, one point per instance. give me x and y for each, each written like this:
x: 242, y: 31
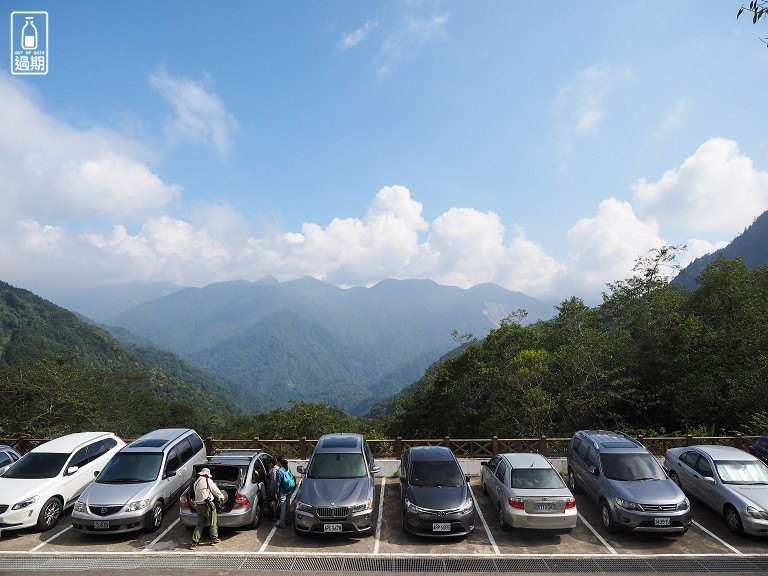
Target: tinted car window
x: 582, y: 449
x: 493, y: 463
x: 197, y: 442
x: 689, y: 458
x: 536, y: 478
x: 173, y: 462
x: 501, y: 471
x: 109, y: 443
x: 592, y: 457
x: 185, y: 451
x: 80, y: 458
x: 436, y: 473
x: 341, y: 465
x: 37, y: 465
x: 127, y: 467
x: 704, y: 467
x: 632, y: 467
x: 4, y: 458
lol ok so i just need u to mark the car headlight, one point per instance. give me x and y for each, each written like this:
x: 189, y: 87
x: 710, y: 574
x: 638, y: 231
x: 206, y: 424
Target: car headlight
x: 684, y: 505
x: 467, y: 506
x: 24, y: 503
x: 368, y: 505
x: 138, y: 505
x: 303, y: 507
x: 412, y: 508
x: 627, y: 505
x: 79, y: 506
x: 757, y: 514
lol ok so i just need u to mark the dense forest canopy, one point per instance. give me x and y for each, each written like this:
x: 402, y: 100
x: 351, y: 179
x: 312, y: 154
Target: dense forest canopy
x: 652, y: 358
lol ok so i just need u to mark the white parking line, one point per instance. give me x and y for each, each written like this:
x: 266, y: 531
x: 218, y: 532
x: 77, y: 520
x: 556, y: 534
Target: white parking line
x: 378, y: 520
x: 723, y: 542
x: 36, y: 548
x: 156, y: 540
x: 496, y: 550
x: 588, y: 525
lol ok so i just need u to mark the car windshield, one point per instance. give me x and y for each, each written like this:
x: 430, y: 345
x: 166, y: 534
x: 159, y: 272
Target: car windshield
x: 337, y: 465
x: 739, y: 472
x: 131, y: 468
x: 536, y: 479
x: 37, y: 465
x: 436, y: 473
x: 631, y: 467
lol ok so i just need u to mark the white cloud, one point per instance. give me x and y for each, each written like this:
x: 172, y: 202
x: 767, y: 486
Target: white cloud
x: 674, y: 118
x: 200, y: 115
x: 354, y: 38
x: 408, y: 38
x: 581, y: 103
x: 717, y: 188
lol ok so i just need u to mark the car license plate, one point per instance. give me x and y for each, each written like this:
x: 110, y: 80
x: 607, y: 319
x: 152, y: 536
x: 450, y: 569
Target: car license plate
x: 545, y: 507
x: 331, y: 527
x: 441, y: 527
x: 661, y: 522
x: 101, y: 525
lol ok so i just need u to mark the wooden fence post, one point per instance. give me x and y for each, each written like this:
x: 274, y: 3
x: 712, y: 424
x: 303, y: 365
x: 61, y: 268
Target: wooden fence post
x: 256, y: 443
x: 399, y: 447
x: 447, y: 441
x: 738, y: 441
x: 494, y: 445
x: 209, y: 446
x: 688, y: 439
x: 303, y: 448
x: 543, y: 449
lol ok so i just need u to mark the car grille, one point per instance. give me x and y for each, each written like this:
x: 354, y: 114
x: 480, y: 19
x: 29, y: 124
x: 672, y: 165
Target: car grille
x: 659, y: 508
x: 440, y: 512
x: 104, y: 510
x: 3, y: 508
x: 328, y: 512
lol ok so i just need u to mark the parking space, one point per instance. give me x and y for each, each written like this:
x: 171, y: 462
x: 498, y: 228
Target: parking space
x: 708, y: 536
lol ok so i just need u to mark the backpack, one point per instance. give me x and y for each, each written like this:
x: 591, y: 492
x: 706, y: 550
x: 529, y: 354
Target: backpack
x: 289, y: 482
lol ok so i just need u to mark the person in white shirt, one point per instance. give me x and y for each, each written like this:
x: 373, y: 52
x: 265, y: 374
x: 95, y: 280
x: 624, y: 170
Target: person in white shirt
x: 206, y: 492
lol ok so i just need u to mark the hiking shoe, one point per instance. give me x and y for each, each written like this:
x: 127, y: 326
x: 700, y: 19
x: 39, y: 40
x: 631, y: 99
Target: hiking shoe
x: 215, y: 542
x: 280, y: 525
x: 193, y: 546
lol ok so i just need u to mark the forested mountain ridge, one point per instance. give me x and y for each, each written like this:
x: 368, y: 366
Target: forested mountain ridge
x: 306, y: 340
x: 57, y: 371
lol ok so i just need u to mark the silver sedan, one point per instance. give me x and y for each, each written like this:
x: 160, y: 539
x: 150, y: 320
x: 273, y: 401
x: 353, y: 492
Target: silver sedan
x: 728, y: 480
x: 528, y: 492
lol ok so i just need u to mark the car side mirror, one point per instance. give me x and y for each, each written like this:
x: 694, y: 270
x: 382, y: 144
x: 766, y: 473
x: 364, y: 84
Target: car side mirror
x: 466, y: 477
x: 375, y: 469
x: 96, y: 473
x: 709, y: 480
x: 300, y: 469
x: 594, y: 470
x: 170, y: 473
x: 483, y: 463
x: 72, y: 469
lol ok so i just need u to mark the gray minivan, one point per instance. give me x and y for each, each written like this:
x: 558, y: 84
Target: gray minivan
x: 627, y: 482
x: 336, y: 493
x: 139, y: 483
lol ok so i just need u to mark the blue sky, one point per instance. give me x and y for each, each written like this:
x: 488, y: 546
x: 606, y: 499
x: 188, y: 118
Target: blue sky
x: 540, y: 146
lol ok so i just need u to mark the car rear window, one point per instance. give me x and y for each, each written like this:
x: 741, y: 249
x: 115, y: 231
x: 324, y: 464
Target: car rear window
x: 536, y: 479
x: 340, y: 442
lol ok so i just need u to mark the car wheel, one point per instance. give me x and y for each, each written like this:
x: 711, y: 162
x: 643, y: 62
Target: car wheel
x: 605, y: 516
x: 49, y: 514
x: 572, y: 481
x: 256, y: 513
x: 733, y: 520
x: 155, y: 518
x: 676, y: 479
x: 502, y: 521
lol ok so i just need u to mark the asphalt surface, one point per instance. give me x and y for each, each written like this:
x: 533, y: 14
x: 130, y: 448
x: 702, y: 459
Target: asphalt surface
x: 707, y: 547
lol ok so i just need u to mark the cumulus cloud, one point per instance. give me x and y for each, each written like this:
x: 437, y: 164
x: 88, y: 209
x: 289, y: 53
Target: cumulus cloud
x: 717, y: 188
x: 199, y: 114
x: 354, y: 38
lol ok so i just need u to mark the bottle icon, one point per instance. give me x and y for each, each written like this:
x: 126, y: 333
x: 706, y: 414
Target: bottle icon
x: 29, y: 34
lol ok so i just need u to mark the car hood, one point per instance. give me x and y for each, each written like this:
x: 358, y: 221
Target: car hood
x: 437, y: 497
x: 336, y: 491
x: 103, y: 494
x: 13, y: 490
x: 222, y: 472
x: 756, y: 495
x: 648, y: 491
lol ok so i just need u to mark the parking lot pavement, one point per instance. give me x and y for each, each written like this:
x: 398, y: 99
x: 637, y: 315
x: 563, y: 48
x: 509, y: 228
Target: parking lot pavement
x: 708, y: 536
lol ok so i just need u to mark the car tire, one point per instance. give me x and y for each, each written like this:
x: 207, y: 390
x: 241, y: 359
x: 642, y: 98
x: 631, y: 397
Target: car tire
x: 572, y: 481
x: 49, y: 514
x: 733, y: 520
x: 256, y: 514
x: 605, y: 515
x: 502, y: 521
x: 155, y: 517
x: 676, y: 479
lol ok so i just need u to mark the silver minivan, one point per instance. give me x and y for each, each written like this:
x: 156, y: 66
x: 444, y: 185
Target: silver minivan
x: 139, y: 483
x: 336, y: 493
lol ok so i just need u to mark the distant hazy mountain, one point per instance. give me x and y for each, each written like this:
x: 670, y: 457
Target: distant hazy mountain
x: 751, y: 246
x: 308, y: 340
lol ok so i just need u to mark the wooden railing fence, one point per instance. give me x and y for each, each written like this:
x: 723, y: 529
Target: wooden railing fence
x: 302, y: 448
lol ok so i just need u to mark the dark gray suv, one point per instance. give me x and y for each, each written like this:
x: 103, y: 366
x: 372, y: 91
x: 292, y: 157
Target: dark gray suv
x: 627, y: 482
